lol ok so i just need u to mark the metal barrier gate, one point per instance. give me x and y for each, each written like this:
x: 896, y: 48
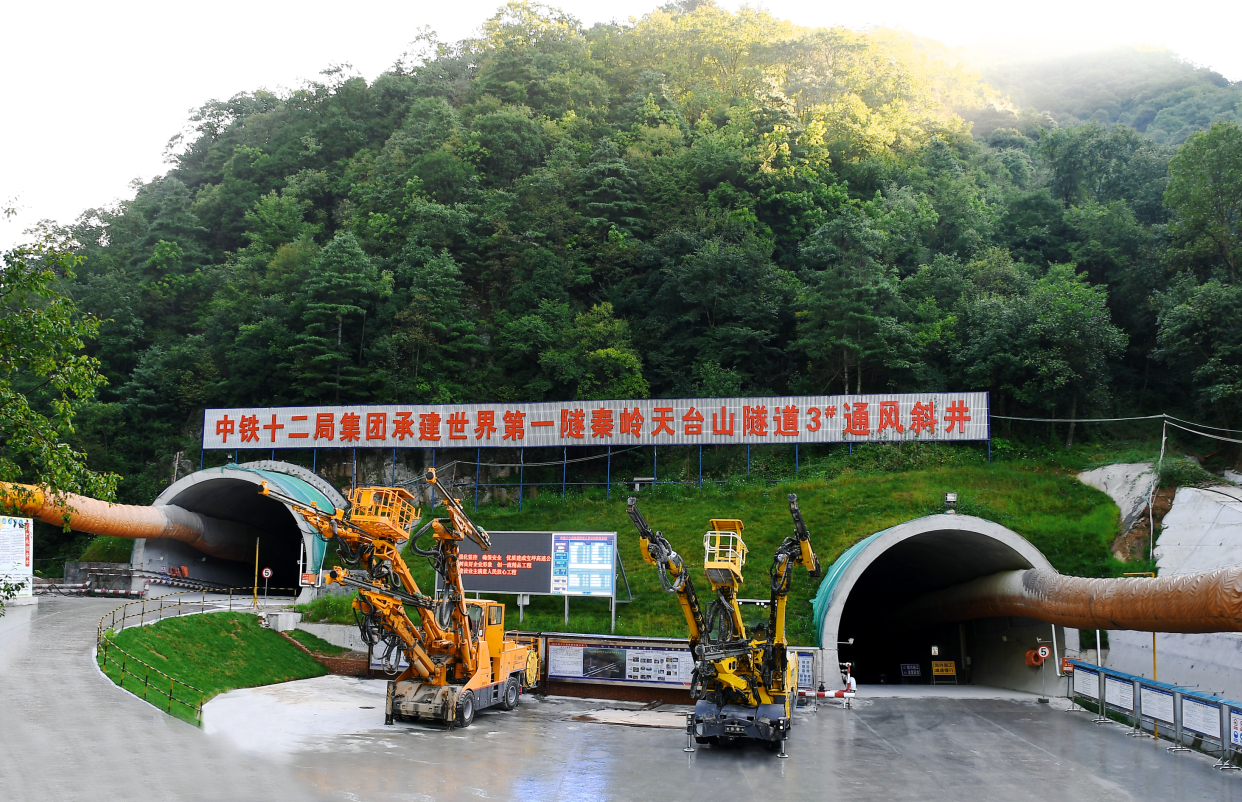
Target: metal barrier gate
x: 1214, y: 722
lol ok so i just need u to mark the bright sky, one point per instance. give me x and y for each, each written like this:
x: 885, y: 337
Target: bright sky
x: 94, y: 90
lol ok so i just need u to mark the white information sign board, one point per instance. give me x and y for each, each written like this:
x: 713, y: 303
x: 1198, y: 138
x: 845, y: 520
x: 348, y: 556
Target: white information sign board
x: 17, y: 552
x: 1235, y: 728
x: 1119, y: 693
x: 619, y: 662
x: 1087, y: 683
x: 1201, y: 718
x: 1156, y: 704
x: 806, y: 670
x: 565, y: 660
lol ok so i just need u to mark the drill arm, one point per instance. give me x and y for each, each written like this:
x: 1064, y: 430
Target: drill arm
x: 657, y: 551
x: 793, y: 551
x: 387, y: 584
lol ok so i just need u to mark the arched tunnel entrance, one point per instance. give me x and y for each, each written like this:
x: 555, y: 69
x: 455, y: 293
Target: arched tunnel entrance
x: 864, y: 592
x: 285, y: 543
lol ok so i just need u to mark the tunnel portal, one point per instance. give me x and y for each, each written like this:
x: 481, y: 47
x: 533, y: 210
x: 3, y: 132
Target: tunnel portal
x: 864, y: 588
x: 286, y: 544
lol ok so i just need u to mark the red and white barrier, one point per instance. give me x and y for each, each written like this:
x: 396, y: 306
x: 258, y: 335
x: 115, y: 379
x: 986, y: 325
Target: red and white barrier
x: 841, y: 694
x: 190, y: 584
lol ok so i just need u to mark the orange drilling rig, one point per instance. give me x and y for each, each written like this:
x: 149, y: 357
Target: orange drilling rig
x: 460, y: 659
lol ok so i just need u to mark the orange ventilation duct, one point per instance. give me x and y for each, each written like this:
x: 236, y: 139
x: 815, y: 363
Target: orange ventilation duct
x: 228, y: 540
x: 1210, y: 601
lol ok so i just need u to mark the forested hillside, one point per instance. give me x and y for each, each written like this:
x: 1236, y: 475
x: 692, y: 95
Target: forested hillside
x: 698, y: 203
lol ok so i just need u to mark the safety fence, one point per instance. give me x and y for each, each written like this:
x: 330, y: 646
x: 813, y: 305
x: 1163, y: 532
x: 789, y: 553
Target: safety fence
x: 1207, y: 723
x: 143, y: 679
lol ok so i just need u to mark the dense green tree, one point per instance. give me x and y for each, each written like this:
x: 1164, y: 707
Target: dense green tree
x: 695, y: 202
x: 334, y: 298
x: 45, y: 378
x: 1205, y: 193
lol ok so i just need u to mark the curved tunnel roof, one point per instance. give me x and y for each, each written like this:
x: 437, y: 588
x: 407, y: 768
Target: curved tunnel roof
x: 230, y: 493
x: 935, y: 552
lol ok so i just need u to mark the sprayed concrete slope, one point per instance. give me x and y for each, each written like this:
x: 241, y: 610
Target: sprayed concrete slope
x: 1202, y: 532
x: 1127, y: 484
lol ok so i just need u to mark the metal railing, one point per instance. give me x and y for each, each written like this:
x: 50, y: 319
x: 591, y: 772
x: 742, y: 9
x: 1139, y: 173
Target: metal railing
x: 147, y: 611
x: 1214, y: 724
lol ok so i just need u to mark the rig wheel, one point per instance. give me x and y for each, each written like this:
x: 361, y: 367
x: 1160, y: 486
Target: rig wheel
x: 465, y: 709
x: 510, y: 699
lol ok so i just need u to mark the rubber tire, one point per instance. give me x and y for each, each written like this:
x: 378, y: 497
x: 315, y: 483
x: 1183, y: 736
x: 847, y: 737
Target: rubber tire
x: 511, y: 695
x: 465, y: 709
x: 710, y: 740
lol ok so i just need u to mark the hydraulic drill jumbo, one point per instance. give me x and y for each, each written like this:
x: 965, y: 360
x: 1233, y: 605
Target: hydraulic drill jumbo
x: 743, y: 683
x: 459, y: 658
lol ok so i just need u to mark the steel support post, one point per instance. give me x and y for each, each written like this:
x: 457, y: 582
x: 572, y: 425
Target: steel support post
x: 394, y: 466
x: 1177, y: 725
x: 1135, y: 711
x: 608, y: 477
x: 700, y: 467
x: 478, y: 464
x: 564, y: 467
x: 521, y: 476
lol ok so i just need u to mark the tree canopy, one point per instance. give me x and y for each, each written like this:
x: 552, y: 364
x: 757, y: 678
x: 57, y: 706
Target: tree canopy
x: 695, y: 202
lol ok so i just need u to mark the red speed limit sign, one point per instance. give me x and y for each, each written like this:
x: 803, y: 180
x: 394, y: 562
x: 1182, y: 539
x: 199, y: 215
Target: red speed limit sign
x: 267, y: 573
x: 1044, y: 651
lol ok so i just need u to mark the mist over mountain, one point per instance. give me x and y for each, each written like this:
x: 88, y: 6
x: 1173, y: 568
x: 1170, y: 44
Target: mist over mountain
x: 1153, y: 91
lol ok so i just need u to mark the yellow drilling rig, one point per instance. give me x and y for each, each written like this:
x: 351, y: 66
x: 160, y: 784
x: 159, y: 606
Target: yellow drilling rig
x: 460, y: 660
x: 743, y: 684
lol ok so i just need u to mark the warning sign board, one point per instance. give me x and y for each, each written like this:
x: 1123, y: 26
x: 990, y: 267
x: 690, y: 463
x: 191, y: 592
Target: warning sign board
x: 16, y: 548
x: 944, y: 668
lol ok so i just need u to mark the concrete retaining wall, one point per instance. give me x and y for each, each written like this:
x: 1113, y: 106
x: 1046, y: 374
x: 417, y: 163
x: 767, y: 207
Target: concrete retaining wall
x: 343, y: 635
x: 77, y: 573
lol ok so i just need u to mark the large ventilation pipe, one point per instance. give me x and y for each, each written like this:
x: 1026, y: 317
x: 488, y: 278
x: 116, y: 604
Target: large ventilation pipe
x: 1210, y: 601
x: 228, y: 540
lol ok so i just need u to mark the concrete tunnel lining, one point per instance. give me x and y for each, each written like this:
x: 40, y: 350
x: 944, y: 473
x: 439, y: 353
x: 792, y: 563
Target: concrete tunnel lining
x: 231, y: 493
x: 914, y: 558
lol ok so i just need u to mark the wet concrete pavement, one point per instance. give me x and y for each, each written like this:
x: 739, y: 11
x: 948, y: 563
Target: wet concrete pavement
x: 68, y: 733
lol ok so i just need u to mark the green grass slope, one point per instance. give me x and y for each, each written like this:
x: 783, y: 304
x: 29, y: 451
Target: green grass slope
x: 215, y: 652
x: 1069, y: 522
